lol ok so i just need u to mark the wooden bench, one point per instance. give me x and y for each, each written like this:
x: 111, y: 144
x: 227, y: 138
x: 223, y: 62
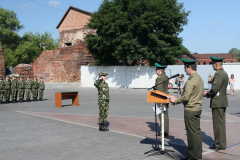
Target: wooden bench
x: 59, y: 96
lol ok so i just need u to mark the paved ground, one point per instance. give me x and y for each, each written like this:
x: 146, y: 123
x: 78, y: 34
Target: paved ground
x: 39, y: 131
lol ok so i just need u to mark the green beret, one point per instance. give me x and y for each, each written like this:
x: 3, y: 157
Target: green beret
x: 102, y: 74
x: 216, y: 59
x: 158, y: 66
x: 188, y: 61
x: 41, y: 77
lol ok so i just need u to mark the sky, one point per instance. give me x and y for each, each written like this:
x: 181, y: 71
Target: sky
x: 213, y: 25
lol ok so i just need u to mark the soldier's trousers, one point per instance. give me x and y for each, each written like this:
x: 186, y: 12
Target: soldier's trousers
x: 35, y: 93
x: 1, y: 95
x: 6, y: 95
x: 103, y: 110
x: 41, y: 93
x: 194, y: 135
x: 219, y: 127
x: 28, y: 94
x: 14, y: 94
x: 166, y: 119
x: 21, y: 94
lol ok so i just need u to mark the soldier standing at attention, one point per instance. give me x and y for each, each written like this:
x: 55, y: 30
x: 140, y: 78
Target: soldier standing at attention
x: 21, y: 89
x: 14, y: 89
x: 7, y: 89
x: 41, y: 88
x: 2, y: 85
x: 35, y: 88
x: 28, y: 88
x: 218, y: 103
x: 103, y: 100
x: 192, y: 101
x: 163, y: 88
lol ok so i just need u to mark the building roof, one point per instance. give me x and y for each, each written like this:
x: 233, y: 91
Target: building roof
x: 73, y: 8
x: 219, y: 55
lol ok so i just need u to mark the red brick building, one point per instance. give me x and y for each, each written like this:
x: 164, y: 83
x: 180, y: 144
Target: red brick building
x: 204, y: 59
x: 64, y: 63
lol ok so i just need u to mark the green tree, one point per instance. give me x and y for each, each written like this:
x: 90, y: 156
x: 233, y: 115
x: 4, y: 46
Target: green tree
x: 137, y: 29
x: 9, y: 26
x: 236, y: 51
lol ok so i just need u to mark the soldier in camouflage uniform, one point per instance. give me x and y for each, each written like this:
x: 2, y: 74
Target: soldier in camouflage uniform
x: 103, y: 100
x: 41, y: 88
x: 21, y: 89
x: 2, y: 85
x: 35, y: 88
x: 7, y: 89
x: 28, y: 88
x: 14, y: 89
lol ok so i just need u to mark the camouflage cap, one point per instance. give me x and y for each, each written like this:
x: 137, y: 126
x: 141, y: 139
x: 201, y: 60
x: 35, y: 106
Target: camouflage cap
x: 41, y: 77
x: 28, y: 76
x: 13, y: 76
x: 102, y: 74
x: 7, y: 76
x: 21, y: 76
x: 35, y: 76
x: 1, y: 76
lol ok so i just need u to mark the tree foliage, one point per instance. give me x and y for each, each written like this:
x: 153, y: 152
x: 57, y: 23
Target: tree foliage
x: 137, y: 29
x: 9, y: 26
x: 29, y: 48
x: 236, y: 51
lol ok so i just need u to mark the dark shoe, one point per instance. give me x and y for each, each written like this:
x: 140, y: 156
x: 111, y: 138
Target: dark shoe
x: 186, y: 158
x: 213, y: 147
x: 217, y: 149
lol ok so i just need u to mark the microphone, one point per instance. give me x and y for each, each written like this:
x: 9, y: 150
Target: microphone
x: 175, y: 76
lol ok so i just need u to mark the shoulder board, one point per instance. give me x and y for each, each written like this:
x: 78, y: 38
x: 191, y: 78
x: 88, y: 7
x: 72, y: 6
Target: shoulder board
x: 190, y: 77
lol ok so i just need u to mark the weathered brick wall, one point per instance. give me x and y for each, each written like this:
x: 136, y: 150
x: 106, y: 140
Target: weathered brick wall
x: 2, y: 65
x: 74, y: 20
x: 24, y: 70
x: 73, y: 35
x: 63, y: 64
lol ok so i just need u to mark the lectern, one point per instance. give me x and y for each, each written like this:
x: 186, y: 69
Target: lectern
x: 158, y: 97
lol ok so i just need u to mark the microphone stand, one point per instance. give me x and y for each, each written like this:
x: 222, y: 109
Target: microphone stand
x: 156, y: 147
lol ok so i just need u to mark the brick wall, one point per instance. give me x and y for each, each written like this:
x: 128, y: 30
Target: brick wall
x: 24, y: 70
x: 63, y: 64
x: 74, y: 20
x: 2, y: 65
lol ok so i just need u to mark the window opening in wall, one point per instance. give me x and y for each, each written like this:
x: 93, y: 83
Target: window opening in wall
x: 210, y: 62
x: 68, y: 43
x: 204, y: 63
x: 198, y: 63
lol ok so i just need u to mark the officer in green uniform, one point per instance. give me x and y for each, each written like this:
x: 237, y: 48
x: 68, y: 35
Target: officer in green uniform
x: 21, y: 89
x: 218, y: 103
x: 192, y: 101
x: 35, y: 88
x: 28, y: 88
x: 163, y: 87
x: 7, y: 89
x: 41, y: 88
x: 14, y: 88
x: 103, y: 100
x: 2, y: 85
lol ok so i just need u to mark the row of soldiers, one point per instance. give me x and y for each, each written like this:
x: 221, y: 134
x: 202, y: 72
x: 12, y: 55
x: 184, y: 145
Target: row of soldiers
x: 16, y: 87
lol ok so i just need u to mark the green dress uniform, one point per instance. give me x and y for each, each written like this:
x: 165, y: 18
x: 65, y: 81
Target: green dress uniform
x: 7, y: 90
x: 28, y: 88
x: 192, y: 101
x: 41, y: 89
x: 35, y: 89
x: 2, y: 86
x: 218, y: 103
x: 103, y: 100
x: 14, y: 87
x: 21, y: 88
x: 163, y: 88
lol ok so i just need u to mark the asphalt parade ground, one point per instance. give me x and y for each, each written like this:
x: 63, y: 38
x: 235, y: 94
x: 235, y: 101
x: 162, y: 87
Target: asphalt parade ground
x: 40, y: 131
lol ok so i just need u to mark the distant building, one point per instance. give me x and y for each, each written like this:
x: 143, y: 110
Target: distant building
x: 204, y: 59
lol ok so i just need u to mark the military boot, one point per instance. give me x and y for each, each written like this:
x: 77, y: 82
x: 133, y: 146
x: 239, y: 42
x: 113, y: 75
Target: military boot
x: 101, y: 127
x: 106, y: 129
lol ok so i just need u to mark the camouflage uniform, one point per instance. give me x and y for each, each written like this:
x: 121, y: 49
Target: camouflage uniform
x: 103, y: 99
x: 2, y: 85
x: 21, y: 88
x: 35, y: 89
x: 41, y: 89
x: 7, y: 90
x: 14, y: 90
x: 28, y: 87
